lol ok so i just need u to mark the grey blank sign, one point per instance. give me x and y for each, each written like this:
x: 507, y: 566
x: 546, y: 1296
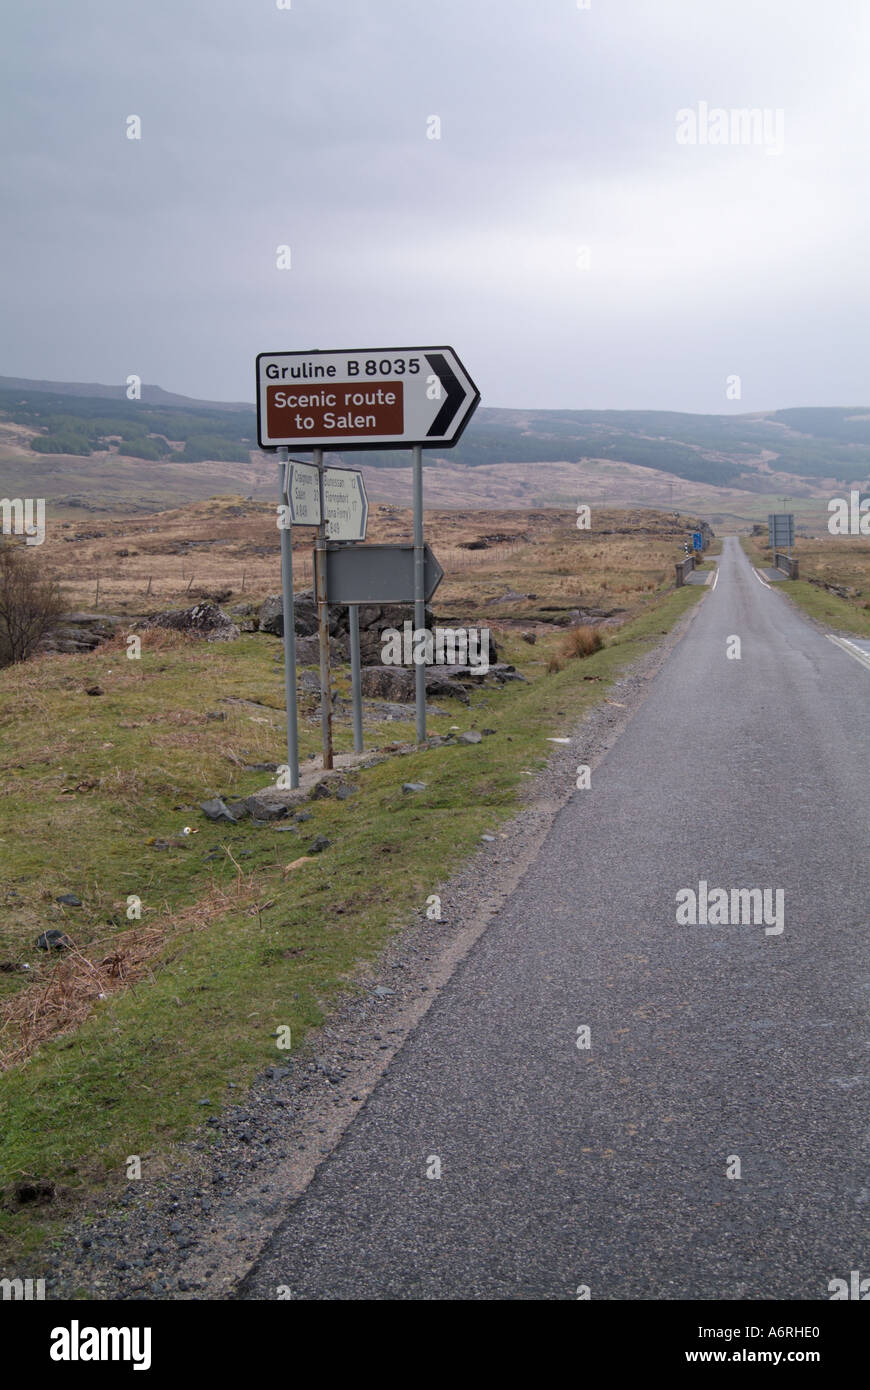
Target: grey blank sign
x: 377, y: 573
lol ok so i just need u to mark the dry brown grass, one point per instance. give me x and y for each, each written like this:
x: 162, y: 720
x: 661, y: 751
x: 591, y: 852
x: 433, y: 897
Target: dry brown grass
x: 581, y: 641
x: 63, y: 993
x: 230, y: 544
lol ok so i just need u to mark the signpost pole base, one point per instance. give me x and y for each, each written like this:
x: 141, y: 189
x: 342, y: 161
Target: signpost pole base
x: 289, y: 632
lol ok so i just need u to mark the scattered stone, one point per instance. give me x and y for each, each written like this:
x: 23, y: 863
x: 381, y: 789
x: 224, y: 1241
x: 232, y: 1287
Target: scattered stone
x: 530, y: 637
x: 489, y: 731
x: 413, y: 786
x: 95, y: 690
x: 216, y: 714
x: 302, y: 815
x: 470, y: 736
x: 489, y: 838
x: 344, y: 792
x: 69, y: 900
x: 238, y: 809
x: 53, y: 941
x: 216, y: 809
x: 382, y: 992
x: 319, y: 845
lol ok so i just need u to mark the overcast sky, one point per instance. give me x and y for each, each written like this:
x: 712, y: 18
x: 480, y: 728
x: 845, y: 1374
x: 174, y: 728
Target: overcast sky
x: 310, y: 126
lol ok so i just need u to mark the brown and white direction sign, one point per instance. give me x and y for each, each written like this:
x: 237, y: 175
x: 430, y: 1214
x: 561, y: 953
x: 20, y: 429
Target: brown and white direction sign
x: 369, y: 398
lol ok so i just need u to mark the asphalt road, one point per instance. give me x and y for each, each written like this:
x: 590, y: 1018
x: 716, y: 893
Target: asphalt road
x: 606, y: 1167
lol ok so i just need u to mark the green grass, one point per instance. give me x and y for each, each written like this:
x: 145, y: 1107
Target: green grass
x: 127, y: 1081
x: 845, y: 615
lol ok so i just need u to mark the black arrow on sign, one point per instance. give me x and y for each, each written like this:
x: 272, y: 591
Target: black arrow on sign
x: 455, y: 394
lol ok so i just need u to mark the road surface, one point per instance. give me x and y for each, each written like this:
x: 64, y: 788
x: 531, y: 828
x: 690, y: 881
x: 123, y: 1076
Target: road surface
x: 605, y: 1168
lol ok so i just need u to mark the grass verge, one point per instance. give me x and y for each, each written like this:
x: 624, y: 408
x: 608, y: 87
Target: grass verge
x: 97, y: 783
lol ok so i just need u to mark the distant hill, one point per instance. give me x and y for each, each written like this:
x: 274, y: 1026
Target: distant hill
x: 93, y: 430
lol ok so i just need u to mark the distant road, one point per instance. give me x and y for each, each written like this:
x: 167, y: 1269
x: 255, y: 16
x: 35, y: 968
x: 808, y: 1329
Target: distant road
x: 607, y: 1167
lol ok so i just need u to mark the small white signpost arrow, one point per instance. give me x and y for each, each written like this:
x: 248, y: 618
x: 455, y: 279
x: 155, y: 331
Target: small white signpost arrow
x: 303, y: 493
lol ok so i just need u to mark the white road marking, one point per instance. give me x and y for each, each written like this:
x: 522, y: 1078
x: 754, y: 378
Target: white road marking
x: 760, y: 578
x: 714, y: 580
x: 850, y: 649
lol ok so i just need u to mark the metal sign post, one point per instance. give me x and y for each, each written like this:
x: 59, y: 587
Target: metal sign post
x: 320, y: 593
x: 355, y: 677
x: 419, y: 589
x: 289, y: 631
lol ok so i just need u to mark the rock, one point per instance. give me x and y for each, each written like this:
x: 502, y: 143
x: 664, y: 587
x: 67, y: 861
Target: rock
x: 247, y: 615
x: 95, y: 690
x: 488, y: 838
x: 271, y: 617
x: 530, y: 637
x: 382, y: 992
x: 394, y: 683
x: 53, y: 941
x: 319, y: 845
x: 397, y: 684
x: 471, y: 736
x: 216, y: 809
x: 308, y: 651
x: 302, y: 815
x: 238, y: 809
x: 80, y: 632
x: 203, y: 620
x: 69, y: 900
x: 216, y: 714
x: 332, y: 784
x: 413, y: 786
x: 489, y: 731
x: 263, y: 807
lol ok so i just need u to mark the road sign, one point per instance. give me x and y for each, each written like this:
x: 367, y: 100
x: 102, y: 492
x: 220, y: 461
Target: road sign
x: 345, y: 504
x: 377, y: 573
x: 303, y: 493
x: 780, y: 529
x: 697, y: 540
x: 369, y: 398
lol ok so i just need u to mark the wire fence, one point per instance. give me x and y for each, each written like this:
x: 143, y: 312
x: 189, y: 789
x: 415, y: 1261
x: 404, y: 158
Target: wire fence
x: 175, y: 579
